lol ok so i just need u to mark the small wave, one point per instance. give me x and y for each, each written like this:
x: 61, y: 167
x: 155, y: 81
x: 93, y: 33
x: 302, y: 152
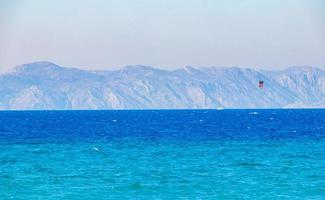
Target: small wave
x: 249, y: 164
x: 253, y: 113
x: 96, y: 149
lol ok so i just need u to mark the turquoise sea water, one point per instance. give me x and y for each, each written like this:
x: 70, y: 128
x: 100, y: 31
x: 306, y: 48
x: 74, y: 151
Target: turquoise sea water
x: 207, y: 154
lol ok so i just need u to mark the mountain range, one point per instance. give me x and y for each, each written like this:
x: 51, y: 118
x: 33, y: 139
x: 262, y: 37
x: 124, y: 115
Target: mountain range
x: 47, y: 86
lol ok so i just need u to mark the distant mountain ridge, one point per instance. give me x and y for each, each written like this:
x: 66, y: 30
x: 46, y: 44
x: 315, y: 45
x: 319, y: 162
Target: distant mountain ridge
x: 44, y: 85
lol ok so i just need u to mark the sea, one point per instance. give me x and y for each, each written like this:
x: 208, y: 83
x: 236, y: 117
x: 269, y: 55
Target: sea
x: 163, y: 154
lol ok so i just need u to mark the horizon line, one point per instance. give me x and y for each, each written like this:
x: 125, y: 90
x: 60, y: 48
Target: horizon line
x: 156, y: 67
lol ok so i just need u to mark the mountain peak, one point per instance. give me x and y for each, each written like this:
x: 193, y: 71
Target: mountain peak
x: 190, y: 69
x: 139, y: 67
x: 38, y: 66
x: 303, y: 69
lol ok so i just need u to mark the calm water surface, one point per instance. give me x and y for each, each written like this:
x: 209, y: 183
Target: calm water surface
x: 183, y: 154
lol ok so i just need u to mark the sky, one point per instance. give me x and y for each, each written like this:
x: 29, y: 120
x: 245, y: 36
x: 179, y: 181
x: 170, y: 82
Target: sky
x: 110, y: 34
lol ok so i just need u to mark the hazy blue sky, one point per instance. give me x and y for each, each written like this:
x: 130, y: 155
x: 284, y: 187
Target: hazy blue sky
x: 106, y: 34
